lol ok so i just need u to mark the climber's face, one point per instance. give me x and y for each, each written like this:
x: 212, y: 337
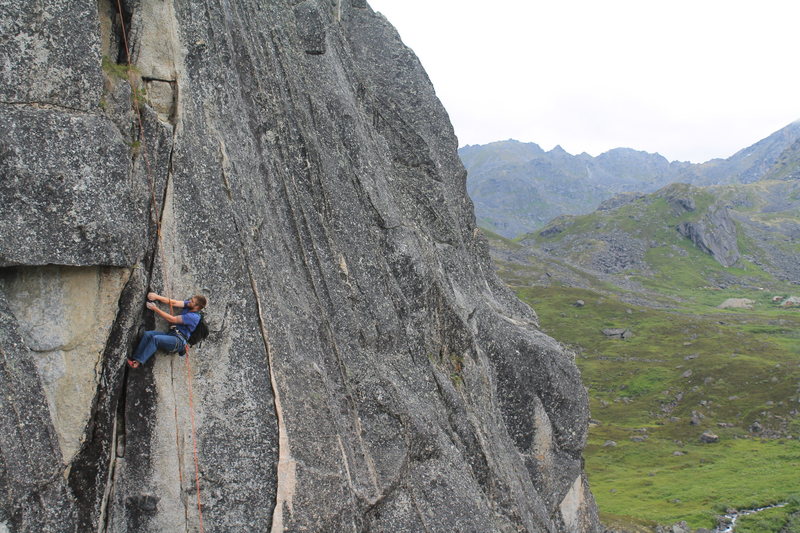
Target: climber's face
x: 193, y: 305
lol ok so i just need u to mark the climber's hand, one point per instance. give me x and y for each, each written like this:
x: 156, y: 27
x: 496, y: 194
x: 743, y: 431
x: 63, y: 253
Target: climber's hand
x: 151, y: 306
x: 152, y: 296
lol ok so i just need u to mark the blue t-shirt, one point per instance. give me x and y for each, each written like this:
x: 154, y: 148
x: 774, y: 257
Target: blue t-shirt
x: 190, y: 320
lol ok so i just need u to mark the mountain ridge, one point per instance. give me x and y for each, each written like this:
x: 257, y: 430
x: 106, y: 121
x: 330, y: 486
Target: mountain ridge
x: 517, y: 187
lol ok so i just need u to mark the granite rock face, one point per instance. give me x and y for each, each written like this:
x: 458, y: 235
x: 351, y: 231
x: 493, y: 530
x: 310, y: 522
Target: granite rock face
x: 715, y: 234
x: 366, y: 370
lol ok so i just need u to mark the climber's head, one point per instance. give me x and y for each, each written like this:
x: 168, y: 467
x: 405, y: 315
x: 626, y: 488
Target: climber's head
x: 197, y: 302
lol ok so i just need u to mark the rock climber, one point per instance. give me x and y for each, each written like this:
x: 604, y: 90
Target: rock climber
x: 181, y: 327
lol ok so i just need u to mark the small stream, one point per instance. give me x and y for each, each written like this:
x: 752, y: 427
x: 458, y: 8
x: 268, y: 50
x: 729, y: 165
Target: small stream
x: 729, y: 520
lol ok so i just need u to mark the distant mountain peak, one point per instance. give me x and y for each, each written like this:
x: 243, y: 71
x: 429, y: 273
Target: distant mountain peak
x: 517, y: 187
x: 624, y: 150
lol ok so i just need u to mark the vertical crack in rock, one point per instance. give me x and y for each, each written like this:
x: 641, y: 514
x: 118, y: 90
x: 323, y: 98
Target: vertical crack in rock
x: 286, y: 465
x: 102, y: 512
x: 115, y: 391
x: 93, y: 470
x: 121, y: 22
x: 356, y: 420
x: 420, y: 514
x: 287, y: 479
x: 117, y: 449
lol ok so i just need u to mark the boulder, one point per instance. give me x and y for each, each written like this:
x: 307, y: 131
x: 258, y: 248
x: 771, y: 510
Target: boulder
x: 618, y: 333
x: 709, y: 438
x: 680, y: 527
x: 791, y: 301
x: 552, y: 229
x: 737, y: 303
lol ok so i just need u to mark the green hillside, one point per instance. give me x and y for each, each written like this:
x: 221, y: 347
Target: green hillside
x: 741, y: 235
x: 689, y: 366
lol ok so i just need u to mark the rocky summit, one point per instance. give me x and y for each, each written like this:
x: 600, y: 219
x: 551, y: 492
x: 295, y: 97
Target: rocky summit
x: 366, y: 370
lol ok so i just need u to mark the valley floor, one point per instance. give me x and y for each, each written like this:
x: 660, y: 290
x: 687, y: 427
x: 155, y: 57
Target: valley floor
x: 688, y: 369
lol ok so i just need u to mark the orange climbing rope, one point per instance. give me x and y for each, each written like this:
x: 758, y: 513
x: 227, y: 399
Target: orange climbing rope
x: 153, y: 205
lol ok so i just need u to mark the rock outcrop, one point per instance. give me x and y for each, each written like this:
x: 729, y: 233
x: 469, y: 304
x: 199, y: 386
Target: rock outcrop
x: 743, y: 226
x: 366, y: 369
x: 714, y: 234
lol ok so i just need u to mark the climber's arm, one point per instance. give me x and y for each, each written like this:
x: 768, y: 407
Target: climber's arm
x: 166, y: 316
x: 153, y: 297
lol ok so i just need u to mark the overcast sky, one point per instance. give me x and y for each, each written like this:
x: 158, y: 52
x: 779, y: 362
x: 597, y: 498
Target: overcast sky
x: 690, y: 79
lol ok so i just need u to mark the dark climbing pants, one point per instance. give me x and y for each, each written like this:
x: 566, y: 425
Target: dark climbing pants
x: 154, y: 340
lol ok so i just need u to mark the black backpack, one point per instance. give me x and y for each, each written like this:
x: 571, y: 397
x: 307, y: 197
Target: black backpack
x: 200, y: 332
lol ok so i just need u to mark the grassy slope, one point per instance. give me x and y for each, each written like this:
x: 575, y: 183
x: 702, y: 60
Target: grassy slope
x: 654, y: 219
x: 731, y: 368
